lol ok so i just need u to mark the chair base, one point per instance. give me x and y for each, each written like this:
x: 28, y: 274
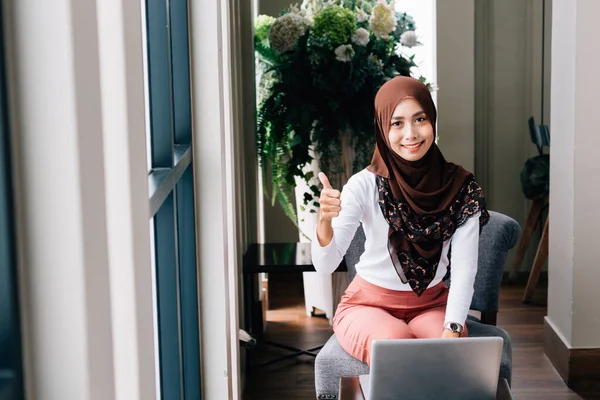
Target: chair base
x: 296, y: 352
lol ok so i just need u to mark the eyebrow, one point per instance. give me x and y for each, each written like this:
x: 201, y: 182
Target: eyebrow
x: 397, y: 118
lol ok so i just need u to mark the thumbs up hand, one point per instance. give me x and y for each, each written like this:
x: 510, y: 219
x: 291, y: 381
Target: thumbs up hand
x: 330, y: 203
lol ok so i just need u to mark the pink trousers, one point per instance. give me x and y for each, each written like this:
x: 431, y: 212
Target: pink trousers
x: 368, y: 312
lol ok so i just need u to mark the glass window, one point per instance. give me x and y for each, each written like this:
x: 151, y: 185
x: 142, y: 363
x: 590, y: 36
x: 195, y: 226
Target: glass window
x: 423, y: 12
x: 172, y: 197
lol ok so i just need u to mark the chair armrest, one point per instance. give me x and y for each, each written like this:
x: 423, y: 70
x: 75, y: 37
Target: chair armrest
x: 496, y: 239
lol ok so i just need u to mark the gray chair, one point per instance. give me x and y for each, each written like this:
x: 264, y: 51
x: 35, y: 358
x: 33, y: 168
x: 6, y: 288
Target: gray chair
x: 497, y: 238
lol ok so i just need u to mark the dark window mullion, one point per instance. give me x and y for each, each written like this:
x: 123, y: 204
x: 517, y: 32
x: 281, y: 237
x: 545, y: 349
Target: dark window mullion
x: 172, y: 198
x: 11, y: 366
x: 165, y: 223
x: 167, y: 288
x: 188, y: 285
x: 181, y: 71
x: 185, y: 200
x: 159, y: 84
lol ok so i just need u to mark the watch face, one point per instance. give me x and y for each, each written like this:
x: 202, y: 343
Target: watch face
x: 454, y: 327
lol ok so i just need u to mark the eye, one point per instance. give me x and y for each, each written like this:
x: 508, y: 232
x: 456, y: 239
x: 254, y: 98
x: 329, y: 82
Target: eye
x: 397, y: 123
x: 421, y: 119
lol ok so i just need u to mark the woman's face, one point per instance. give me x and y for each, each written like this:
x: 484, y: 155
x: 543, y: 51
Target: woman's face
x: 411, y: 132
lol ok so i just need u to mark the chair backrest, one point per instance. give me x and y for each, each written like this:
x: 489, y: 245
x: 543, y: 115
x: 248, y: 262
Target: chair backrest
x: 540, y: 135
x: 497, y: 238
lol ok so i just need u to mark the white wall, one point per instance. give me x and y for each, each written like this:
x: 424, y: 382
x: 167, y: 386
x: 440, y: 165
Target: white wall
x: 272, y: 7
x: 562, y: 159
x: 574, y: 194
x: 586, y: 314
x: 456, y: 80
x: 508, y: 76
x: 510, y: 106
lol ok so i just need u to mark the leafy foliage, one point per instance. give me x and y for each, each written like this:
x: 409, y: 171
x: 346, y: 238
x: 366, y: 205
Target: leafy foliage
x: 335, y: 24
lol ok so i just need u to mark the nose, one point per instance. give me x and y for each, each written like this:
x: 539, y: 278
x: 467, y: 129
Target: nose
x: 409, y: 133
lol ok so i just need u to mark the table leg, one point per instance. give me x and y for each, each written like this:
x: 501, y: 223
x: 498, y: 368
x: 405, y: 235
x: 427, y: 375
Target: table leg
x: 535, y: 211
x: 250, y: 305
x: 536, y: 269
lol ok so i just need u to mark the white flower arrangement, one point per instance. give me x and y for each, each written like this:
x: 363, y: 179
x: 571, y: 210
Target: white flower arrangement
x: 344, y: 53
x: 361, y: 37
x: 362, y: 16
x: 286, y: 30
x: 383, y: 20
x: 409, y: 39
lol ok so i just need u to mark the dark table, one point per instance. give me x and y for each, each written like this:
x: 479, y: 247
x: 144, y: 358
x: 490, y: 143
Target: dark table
x: 350, y: 389
x: 274, y: 258
x: 280, y: 257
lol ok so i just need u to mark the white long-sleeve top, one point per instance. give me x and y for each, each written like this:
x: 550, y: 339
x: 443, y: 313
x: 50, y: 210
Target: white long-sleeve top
x: 360, y: 204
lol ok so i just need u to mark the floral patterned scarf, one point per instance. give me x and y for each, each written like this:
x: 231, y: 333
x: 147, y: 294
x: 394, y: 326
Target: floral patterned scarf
x: 424, y: 201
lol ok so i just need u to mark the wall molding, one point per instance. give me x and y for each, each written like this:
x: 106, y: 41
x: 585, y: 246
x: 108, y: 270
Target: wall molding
x: 577, y: 367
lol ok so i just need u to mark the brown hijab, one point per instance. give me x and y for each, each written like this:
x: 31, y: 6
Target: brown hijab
x: 424, y: 201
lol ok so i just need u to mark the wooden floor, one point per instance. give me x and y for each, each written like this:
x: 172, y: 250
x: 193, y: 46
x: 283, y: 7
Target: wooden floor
x: 533, y: 374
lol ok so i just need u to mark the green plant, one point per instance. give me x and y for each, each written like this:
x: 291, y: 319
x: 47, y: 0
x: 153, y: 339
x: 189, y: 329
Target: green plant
x: 320, y: 66
x: 335, y: 25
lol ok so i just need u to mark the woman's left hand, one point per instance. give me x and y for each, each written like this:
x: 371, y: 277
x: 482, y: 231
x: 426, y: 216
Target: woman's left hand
x: 449, y: 334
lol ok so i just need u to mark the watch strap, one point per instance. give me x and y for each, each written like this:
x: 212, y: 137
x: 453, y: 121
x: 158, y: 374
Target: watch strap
x: 454, y: 327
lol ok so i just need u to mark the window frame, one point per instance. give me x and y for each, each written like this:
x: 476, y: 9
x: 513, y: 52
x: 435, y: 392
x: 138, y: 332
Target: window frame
x: 171, y: 197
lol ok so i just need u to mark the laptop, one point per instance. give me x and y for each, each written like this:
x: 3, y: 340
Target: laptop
x: 431, y: 369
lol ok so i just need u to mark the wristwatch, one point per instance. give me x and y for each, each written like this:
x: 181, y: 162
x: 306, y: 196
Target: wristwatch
x: 454, y: 327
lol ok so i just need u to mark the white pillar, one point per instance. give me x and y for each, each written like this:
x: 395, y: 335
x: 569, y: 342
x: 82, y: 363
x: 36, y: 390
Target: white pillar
x: 57, y: 122
x: 82, y: 197
x: 211, y: 68
x: 126, y: 173
x: 573, y: 312
x: 575, y: 185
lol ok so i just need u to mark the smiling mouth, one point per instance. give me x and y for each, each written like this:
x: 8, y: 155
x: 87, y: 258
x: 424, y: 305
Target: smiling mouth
x: 413, y: 147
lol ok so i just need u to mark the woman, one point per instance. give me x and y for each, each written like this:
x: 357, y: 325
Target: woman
x: 420, y: 214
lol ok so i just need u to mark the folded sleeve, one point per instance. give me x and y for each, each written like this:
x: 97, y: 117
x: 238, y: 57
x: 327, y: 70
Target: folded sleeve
x: 463, y: 258
x: 326, y: 259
